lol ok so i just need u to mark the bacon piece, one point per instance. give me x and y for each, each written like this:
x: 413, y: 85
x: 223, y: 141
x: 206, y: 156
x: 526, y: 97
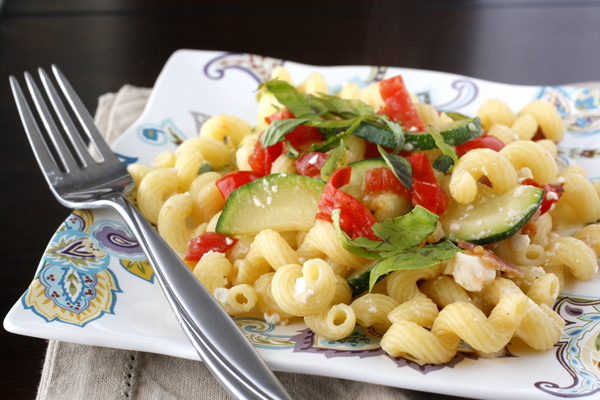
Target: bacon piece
x: 490, y: 259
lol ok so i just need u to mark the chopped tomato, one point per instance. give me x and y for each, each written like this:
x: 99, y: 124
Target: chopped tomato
x: 303, y: 137
x: 234, y: 180
x: 384, y: 180
x: 371, y: 150
x: 310, y: 164
x: 283, y: 113
x: 426, y: 191
x: 481, y: 142
x: 398, y: 104
x: 208, y: 241
x: 355, y: 219
x: 262, y: 158
x: 552, y: 193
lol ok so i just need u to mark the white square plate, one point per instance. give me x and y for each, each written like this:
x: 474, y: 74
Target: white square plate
x: 93, y: 285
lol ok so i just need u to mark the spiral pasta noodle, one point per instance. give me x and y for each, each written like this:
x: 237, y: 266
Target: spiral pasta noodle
x: 528, y: 154
x: 372, y: 309
x: 304, y: 290
x: 153, y: 191
x: 495, y: 111
x: 476, y: 164
x: 549, y: 120
x: 226, y: 128
x: 172, y: 224
x: 334, y: 323
x: 574, y: 254
x: 268, y: 251
x: 403, y: 285
x: 322, y: 240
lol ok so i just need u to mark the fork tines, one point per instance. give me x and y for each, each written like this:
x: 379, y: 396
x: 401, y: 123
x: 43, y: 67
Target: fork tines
x: 62, y: 156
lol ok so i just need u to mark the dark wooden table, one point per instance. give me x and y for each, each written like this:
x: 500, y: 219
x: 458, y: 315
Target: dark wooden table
x: 103, y: 44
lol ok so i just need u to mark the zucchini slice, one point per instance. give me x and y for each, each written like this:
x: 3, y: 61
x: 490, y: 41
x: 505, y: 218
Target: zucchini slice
x: 282, y: 202
x: 359, y: 280
x: 454, y: 133
x: 492, y: 216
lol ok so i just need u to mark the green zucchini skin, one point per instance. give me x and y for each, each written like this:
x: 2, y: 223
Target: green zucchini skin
x: 277, y: 201
x: 359, y: 280
x: 492, y: 216
x: 454, y: 133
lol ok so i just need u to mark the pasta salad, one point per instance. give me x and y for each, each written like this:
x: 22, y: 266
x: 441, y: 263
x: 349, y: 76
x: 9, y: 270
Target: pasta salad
x: 371, y: 207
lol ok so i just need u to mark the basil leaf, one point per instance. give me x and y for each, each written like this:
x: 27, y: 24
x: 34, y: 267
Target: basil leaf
x: 441, y: 144
x: 345, y: 108
x: 399, y: 165
x: 347, y: 243
x: 397, y: 131
x: 299, y: 104
x: 408, y: 230
x: 310, y: 106
x: 417, y: 257
x: 290, y: 150
x: 398, y: 234
x: 337, y: 159
x: 277, y: 130
x: 334, y: 141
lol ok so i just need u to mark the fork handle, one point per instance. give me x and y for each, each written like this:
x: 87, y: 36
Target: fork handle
x: 219, y: 342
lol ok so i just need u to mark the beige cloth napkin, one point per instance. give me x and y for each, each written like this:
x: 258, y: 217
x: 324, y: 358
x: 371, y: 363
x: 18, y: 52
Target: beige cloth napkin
x: 75, y: 371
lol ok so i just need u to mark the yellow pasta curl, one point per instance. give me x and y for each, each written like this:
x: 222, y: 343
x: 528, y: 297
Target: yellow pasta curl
x: 153, y: 191
x: 528, y: 154
x: 487, y: 335
x: 495, y: 111
x: 574, y: 254
x: 173, y: 222
x: 476, y: 164
x: 226, y: 128
x: 372, y: 309
x: 304, y: 290
x: 334, y: 323
x: 268, y: 251
x: 549, y: 120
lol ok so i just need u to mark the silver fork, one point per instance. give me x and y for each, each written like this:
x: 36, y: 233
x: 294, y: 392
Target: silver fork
x: 79, y: 180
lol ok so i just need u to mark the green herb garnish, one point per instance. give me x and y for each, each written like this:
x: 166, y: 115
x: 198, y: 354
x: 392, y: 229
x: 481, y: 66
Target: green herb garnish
x: 400, y: 245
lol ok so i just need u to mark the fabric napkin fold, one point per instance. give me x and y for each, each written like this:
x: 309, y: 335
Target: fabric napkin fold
x: 76, y: 371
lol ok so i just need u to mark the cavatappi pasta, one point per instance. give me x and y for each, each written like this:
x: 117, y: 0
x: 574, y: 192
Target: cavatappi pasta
x: 490, y: 291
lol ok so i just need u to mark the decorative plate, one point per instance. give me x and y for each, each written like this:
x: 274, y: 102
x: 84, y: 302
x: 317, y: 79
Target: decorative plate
x: 94, y: 285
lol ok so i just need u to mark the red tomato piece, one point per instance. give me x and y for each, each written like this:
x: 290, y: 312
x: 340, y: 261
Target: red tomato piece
x: 233, y: 180
x: 283, y: 113
x: 552, y: 193
x: 426, y: 191
x: 303, y: 137
x: 310, y: 164
x: 398, y: 104
x: 481, y: 142
x: 355, y: 219
x: 371, y: 150
x: 262, y: 158
x: 384, y: 180
x: 208, y: 241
